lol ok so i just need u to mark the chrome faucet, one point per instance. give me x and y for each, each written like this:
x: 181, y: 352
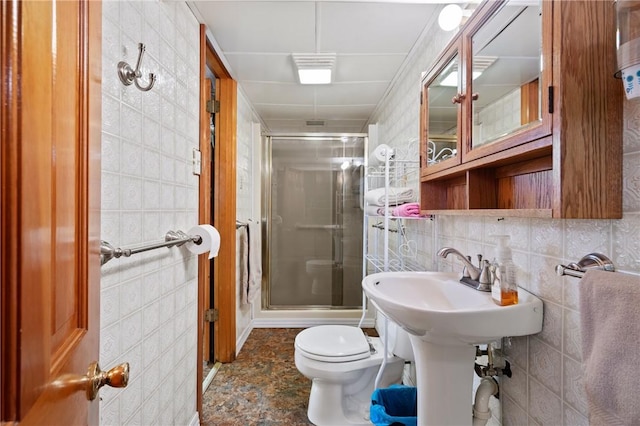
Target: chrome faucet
x: 477, y: 277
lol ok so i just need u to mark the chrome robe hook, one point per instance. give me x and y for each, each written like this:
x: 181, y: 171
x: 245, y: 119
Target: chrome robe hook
x: 128, y: 75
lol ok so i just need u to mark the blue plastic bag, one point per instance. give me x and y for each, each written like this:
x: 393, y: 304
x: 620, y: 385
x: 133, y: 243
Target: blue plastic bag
x: 396, y: 405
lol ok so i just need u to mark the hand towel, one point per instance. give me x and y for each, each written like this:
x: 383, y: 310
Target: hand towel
x: 407, y: 210
x: 243, y: 262
x: 254, y: 237
x: 610, y: 321
x: 397, y: 195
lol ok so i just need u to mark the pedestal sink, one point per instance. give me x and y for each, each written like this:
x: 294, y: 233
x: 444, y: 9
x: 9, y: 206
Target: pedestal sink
x: 445, y: 320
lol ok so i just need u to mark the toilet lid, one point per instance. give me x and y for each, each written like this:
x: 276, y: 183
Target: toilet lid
x: 333, y: 343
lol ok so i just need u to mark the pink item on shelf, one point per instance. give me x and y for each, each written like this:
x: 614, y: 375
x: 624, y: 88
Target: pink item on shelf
x: 407, y: 210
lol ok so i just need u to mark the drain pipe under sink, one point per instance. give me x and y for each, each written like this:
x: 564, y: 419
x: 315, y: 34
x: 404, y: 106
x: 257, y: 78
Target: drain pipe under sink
x: 481, y: 412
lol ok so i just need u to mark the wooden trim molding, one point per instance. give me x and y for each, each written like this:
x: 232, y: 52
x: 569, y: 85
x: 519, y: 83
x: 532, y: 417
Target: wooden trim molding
x: 224, y: 219
x: 204, y: 214
x: 223, y: 215
x: 9, y: 200
x: 529, y: 101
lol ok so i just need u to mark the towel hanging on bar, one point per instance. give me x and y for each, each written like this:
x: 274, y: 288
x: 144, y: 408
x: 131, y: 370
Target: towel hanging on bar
x: 610, y: 326
x: 250, y: 259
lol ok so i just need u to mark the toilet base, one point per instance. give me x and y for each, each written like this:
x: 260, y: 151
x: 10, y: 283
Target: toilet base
x: 347, y: 404
x: 324, y: 399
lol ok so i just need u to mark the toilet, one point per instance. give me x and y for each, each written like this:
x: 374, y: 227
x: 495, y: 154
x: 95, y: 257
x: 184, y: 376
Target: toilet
x: 342, y: 363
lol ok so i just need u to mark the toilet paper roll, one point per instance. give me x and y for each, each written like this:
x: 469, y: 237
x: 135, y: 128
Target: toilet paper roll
x: 380, y: 154
x: 210, y: 240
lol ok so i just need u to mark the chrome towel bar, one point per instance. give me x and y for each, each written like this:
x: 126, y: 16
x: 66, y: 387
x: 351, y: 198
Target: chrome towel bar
x: 591, y: 260
x: 171, y: 239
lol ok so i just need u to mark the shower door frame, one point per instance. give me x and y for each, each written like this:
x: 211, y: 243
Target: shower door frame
x: 267, y: 170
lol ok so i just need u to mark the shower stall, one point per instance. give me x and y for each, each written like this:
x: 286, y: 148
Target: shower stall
x: 312, y: 208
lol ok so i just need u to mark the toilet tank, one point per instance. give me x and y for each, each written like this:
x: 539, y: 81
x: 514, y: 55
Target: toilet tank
x: 399, y: 343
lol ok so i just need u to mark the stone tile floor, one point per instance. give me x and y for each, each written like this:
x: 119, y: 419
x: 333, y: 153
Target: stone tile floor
x: 261, y: 387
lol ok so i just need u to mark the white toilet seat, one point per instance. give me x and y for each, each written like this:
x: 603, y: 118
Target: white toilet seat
x: 333, y: 343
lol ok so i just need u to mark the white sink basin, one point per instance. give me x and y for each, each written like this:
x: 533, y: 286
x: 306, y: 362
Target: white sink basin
x: 445, y: 320
x: 435, y: 306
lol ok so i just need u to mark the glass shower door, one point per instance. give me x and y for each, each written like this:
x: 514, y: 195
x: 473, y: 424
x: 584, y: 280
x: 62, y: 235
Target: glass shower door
x: 315, y: 232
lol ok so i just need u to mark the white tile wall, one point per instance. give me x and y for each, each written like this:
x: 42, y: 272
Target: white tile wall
x: 496, y: 119
x: 245, y: 209
x: 149, y: 301
x: 546, y: 386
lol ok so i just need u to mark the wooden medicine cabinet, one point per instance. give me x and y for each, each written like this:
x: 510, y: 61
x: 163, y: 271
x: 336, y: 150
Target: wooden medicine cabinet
x: 522, y: 115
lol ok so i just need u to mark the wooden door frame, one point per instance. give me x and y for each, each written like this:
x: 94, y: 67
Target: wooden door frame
x: 224, y: 215
x: 9, y: 215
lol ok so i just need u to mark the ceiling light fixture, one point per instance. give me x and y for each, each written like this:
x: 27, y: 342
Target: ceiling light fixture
x: 450, y: 17
x: 314, y: 68
x: 480, y: 64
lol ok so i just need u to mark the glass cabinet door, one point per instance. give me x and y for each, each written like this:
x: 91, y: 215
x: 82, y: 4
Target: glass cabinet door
x: 506, y: 78
x: 442, y: 116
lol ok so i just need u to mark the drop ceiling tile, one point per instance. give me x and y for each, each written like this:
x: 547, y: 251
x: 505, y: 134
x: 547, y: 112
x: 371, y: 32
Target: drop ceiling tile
x: 367, y: 67
x: 348, y: 123
x: 330, y: 126
x: 348, y: 129
x: 346, y: 126
x: 281, y: 125
x: 262, y: 67
x: 350, y: 93
x: 515, y: 71
x: 276, y: 93
x: 293, y: 128
x: 497, y: 40
x: 261, y: 26
x: 345, y: 112
x: 257, y: 38
x: 268, y: 111
x: 371, y: 27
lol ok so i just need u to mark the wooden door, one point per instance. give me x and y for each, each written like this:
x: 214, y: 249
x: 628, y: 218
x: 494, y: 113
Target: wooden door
x: 50, y: 168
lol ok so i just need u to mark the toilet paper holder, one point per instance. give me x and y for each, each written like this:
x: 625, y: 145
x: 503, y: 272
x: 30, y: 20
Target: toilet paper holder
x: 171, y: 239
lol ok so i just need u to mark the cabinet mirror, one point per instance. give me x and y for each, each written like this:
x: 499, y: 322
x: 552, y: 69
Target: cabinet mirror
x: 442, y: 127
x: 506, y: 71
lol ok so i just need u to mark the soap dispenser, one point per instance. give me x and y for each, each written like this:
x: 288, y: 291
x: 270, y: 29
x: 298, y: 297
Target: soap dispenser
x: 504, y: 289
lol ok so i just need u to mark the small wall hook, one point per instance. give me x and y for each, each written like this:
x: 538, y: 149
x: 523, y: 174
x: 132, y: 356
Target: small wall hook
x: 128, y: 75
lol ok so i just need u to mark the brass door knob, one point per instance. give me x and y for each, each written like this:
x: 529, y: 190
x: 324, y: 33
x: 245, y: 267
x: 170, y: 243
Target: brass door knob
x: 117, y: 377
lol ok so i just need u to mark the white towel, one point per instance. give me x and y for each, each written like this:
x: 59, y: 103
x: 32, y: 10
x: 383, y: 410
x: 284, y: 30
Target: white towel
x: 255, y: 259
x: 243, y: 262
x: 610, y: 320
x: 397, y: 195
x: 372, y: 210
